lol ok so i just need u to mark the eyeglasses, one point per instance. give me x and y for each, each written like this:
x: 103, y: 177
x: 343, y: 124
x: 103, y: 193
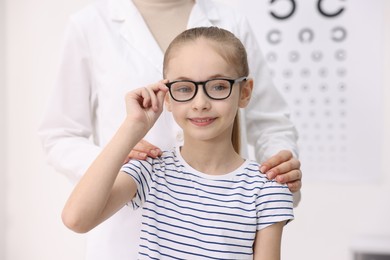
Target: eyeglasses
x: 217, y: 89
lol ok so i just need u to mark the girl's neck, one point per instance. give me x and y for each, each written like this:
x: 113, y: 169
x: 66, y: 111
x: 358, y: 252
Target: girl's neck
x: 165, y: 18
x: 211, y: 158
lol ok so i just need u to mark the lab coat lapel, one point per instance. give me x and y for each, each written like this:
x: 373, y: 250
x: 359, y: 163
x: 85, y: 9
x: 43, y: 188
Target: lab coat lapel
x: 135, y: 31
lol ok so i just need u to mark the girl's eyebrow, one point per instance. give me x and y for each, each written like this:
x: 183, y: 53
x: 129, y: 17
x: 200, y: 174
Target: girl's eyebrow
x: 215, y: 76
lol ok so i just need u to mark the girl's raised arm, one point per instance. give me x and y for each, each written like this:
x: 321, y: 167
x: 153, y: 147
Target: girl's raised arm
x: 102, y: 191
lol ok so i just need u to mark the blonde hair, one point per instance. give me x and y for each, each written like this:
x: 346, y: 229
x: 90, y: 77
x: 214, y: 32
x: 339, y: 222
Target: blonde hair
x: 231, y: 50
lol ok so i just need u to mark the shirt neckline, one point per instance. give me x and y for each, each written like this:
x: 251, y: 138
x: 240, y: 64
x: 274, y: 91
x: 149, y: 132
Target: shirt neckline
x: 210, y: 176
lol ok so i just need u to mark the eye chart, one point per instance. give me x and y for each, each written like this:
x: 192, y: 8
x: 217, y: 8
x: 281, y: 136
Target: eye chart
x: 326, y: 59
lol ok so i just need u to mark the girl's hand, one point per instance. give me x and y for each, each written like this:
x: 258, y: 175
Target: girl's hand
x: 144, y: 105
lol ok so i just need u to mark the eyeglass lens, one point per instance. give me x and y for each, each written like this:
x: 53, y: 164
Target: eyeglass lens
x: 215, y: 89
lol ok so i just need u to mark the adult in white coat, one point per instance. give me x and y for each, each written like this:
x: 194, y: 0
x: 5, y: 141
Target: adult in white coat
x: 113, y: 46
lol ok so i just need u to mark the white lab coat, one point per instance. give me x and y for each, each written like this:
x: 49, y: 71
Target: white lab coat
x: 108, y: 51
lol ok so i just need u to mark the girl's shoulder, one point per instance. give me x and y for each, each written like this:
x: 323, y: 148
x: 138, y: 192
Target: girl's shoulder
x: 252, y: 167
x: 249, y: 175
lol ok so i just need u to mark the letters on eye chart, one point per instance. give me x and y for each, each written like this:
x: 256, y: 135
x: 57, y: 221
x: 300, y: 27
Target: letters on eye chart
x: 327, y: 65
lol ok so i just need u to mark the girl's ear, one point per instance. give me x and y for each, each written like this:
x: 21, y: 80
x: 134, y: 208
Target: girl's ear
x: 246, y: 93
x: 168, y: 102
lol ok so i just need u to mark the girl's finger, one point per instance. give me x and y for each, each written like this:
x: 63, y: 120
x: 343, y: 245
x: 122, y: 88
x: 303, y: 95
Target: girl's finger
x: 155, y: 103
x: 145, y: 97
x: 161, y: 97
x: 157, y: 93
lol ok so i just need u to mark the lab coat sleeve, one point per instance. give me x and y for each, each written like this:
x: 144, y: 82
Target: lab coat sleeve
x: 267, y: 117
x: 67, y: 124
x: 268, y: 126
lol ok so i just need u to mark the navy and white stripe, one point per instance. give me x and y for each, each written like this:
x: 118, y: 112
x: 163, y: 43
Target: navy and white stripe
x: 191, y: 215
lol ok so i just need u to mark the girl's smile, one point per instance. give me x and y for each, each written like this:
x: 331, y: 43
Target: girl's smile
x: 201, y: 122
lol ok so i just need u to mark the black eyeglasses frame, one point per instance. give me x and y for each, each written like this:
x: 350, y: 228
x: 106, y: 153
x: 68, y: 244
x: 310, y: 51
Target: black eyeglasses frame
x: 203, y: 83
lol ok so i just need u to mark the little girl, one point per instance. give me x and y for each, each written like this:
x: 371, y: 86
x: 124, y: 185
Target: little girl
x: 201, y: 200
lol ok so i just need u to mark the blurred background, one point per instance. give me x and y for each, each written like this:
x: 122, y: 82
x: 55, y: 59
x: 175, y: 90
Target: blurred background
x: 331, y: 61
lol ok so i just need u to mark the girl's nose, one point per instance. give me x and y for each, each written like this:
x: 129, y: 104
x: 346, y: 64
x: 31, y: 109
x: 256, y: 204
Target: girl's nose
x: 201, y: 101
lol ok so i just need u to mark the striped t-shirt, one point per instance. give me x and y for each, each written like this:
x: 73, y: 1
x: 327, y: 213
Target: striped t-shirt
x: 191, y: 215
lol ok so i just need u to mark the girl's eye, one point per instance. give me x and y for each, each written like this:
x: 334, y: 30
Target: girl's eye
x: 183, y: 89
x: 219, y: 87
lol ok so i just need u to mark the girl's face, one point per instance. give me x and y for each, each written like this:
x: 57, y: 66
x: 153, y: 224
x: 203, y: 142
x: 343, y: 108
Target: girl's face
x: 202, y: 118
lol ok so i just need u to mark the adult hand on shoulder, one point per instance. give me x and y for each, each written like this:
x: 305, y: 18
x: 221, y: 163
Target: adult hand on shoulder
x: 143, y: 150
x: 284, y: 168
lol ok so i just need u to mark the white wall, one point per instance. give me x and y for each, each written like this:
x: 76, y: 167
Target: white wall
x: 2, y: 129
x: 35, y: 193
x: 328, y: 221
x: 333, y: 218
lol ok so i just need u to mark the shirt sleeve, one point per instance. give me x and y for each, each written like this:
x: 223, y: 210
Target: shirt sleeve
x: 67, y: 125
x: 274, y: 204
x: 141, y: 172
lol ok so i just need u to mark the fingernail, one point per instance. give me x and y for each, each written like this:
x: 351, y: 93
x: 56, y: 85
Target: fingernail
x: 154, y: 152
x: 270, y: 175
x: 142, y: 155
x: 262, y: 169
